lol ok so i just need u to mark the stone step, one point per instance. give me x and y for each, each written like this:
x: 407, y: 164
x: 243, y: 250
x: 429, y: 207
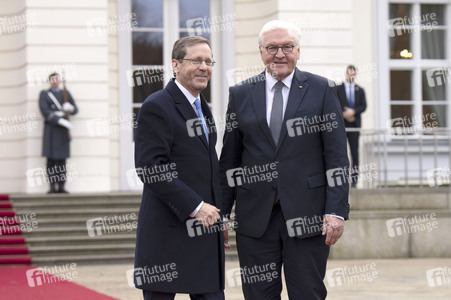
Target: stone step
x: 41, y: 261
x: 79, y: 240
x: 400, y: 198
x: 81, y: 234
x: 69, y: 221
x: 36, y: 251
x: 78, y: 196
x: 78, y: 212
x: 31, y: 205
x: 61, y: 235
x: 85, y: 239
x: 390, y: 214
x: 69, y: 230
x: 16, y: 259
x: 57, y: 222
x: 125, y: 258
x: 83, y: 258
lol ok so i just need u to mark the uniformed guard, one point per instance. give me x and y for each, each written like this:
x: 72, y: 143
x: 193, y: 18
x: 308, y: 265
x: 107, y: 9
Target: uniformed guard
x: 56, y: 106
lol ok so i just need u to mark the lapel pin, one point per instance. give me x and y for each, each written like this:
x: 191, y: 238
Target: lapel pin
x: 300, y: 86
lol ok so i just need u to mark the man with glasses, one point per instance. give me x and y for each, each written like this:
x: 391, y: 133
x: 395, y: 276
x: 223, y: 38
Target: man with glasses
x: 179, y: 246
x: 292, y: 196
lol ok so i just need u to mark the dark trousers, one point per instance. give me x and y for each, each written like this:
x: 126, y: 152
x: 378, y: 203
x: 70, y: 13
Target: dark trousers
x: 149, y: 295
x: 56, y: 172
x: 304, y: 262
x: 353, y: 139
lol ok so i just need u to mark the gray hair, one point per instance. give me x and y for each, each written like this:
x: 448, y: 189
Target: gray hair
x: 292, y: 30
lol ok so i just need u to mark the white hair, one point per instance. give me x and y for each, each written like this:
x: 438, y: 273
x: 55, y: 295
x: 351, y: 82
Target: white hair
x: 292, y: 30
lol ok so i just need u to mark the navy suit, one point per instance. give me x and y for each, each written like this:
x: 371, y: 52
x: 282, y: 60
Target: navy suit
x: 359, y: 106
x: 359, y: 103
x: 166, y: 233
x: 302, y: 158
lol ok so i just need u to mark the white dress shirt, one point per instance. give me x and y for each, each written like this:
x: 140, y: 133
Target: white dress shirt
x: 270, y: 82
x: 188, y: 95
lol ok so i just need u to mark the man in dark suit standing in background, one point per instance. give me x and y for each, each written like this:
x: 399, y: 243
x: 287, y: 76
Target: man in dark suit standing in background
x: 56, y: 139
x: 280, y: 165
x: 179, y: 246
x: 353, y: 102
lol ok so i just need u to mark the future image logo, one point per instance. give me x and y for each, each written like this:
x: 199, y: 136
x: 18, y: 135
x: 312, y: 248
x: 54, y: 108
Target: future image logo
x: 351, y: 274
x: 438, y: 276
x: 408, y: 225
x: 252, y: 174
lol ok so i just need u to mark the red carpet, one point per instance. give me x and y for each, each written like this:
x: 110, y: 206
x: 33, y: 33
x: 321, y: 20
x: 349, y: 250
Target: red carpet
x: 18, y: 284
x: 6, y: 213
x: 6, y: 205
x: 15, y: 260
x: 12, y: 244
x: 12, y: 241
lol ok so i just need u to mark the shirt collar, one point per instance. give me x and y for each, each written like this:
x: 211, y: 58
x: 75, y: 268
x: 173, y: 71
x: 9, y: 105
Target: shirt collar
x: 347, y: 84
x: 187, y: 94
x: 271, y: 81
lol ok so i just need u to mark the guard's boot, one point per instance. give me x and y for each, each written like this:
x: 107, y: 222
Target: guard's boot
x: 61, y: 188
x: 52, y: 188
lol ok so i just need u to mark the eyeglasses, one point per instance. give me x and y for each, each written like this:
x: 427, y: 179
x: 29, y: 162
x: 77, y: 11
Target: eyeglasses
x: 198, y: 62
x: 287, y: 49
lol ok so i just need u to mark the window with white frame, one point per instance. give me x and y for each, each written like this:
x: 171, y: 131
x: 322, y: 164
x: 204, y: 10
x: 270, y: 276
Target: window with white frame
x: 418, y: 63
x: 145, y: 56
x: 154, y: 36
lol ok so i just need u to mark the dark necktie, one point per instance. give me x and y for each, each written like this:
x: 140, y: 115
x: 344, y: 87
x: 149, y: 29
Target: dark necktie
x: 276, y: 120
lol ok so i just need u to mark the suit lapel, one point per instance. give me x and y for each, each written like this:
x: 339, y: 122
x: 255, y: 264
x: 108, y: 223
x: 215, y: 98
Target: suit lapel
x: 184, y: 107
x: 299, y: 87
x: 210, y: 122
x: 341, y: 93
x: 258, y: 94
x: 357, y: 92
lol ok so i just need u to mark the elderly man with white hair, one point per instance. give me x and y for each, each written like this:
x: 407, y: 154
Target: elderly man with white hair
x: 285, y: 167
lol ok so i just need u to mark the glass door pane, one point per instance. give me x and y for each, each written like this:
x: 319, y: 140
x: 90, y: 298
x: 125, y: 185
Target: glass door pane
x: 401, y: 85
x: 434, y: 82
x: 195, y: 20
x: 400, y: 26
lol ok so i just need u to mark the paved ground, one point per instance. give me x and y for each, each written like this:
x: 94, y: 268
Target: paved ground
x: 400, y: 279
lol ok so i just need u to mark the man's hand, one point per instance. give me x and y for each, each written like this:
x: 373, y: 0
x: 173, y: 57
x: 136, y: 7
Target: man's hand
x: 65, y: 123
x: 207, y: 215
x: 226, y: 235
x: 59, y: 113
x: 333, y: 229
x: 68, y: 108
x: 349, y: 114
